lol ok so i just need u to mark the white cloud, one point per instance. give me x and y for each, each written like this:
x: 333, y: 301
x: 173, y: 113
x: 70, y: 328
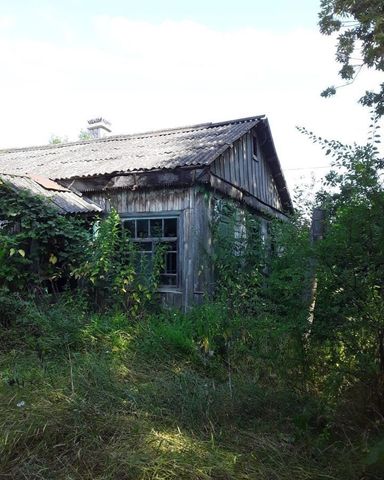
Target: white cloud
x: 144, y: 76
x: 6, y: 22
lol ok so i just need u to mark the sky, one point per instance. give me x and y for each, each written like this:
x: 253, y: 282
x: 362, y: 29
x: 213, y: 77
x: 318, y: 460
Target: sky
x: 168, y: 63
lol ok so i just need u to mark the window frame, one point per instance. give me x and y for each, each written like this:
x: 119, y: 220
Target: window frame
x: 255, y: 148
x: 10, y: 227
x: 156, y: 216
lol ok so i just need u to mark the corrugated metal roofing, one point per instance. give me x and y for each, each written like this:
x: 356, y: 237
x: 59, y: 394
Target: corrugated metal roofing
x: 165, y: 149
x: 64, y: 200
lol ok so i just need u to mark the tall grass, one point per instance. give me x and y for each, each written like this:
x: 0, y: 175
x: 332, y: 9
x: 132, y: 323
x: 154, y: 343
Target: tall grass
x: 86, y: 396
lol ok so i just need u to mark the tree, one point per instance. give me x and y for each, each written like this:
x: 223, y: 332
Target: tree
x: 360, y: 43
x: 85, y: 135
x: 348, y: 329
x: 56, y: 139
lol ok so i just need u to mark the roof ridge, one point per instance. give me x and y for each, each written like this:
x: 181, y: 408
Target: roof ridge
x: 12, y: 174
x: 193, y: 127
x: 148, y: 134
x: 21, y: 175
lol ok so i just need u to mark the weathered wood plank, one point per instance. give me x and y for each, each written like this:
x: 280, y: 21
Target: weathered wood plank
x: 246, y: 164
x: 141, y: 201
x: 156, y: 179
x: 234, y: 192
x: 181, y: 200
x: 255, y: 167
x: 240, y: 165
x: 236, y: 163
x: 232, y: 157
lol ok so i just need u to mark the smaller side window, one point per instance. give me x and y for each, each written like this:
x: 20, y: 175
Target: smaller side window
x: 255, y: 148
x: 10, y: 227
x: 3, y: 224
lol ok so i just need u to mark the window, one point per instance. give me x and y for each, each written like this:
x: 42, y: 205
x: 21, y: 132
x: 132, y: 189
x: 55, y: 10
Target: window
x: 147, y: 233
x: 4, y: 224
x: 9, y: 227
x: 254, y: 148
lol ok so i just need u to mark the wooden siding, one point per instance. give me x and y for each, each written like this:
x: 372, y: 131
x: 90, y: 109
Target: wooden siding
x: 238, y: 167
x: 192, y: 208
x: 236, y: 174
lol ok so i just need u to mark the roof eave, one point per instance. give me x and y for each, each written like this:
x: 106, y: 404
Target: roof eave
x: 277, y: 172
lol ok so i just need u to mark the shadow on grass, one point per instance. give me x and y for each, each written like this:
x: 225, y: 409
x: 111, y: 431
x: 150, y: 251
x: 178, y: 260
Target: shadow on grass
x: 110, y: 399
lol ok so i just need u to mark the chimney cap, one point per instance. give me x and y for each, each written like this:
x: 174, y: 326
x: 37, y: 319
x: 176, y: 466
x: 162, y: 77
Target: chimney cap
x: 99, y: 127
x: 93, y: 121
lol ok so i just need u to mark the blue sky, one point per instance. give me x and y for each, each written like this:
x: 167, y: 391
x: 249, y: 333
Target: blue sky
x: 154, y: 64
x: 277, y: 15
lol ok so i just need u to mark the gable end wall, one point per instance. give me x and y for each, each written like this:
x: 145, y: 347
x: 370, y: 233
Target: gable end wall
x: 238, y: 167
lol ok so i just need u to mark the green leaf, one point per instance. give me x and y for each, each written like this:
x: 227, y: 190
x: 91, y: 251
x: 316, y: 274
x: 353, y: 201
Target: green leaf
x: 53, y: 259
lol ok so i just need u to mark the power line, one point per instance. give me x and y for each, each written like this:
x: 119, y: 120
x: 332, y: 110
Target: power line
x: 306, y: 168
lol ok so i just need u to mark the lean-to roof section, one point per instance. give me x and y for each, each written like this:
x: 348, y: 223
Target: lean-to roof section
x: 62, y: 199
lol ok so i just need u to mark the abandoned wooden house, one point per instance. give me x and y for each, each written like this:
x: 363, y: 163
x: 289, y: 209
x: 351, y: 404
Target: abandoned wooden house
x: 157, y: 182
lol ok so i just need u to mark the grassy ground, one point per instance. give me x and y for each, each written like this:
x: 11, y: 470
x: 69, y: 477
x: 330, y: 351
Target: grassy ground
x: 104, y: 398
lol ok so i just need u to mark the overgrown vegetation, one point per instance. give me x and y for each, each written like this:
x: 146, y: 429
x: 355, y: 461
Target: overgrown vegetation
x: 42, y: 251
x: 360, y: 42
x: 96, y: 384
x: 38, y: 246
x: 116, y: 271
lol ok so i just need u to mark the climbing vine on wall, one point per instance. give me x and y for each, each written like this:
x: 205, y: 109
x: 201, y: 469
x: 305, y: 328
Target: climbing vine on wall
x: 38, y: 246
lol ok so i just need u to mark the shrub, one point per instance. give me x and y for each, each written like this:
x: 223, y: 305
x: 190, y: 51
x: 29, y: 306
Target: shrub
x: 112, y: 269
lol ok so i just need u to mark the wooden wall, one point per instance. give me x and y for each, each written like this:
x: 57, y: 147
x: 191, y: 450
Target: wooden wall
x: 238, y: 167
x: 193, y: 208
x: 236, y: 170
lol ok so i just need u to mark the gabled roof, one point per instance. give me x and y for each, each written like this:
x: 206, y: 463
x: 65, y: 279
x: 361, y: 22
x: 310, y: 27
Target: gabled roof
x: 164, y: 149
x: 61, y: 198
x: 191, y: 146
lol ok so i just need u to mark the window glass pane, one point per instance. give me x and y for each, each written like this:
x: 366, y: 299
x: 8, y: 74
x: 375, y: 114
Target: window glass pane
x: 156, y: 227
x: 170, y: 227
x: 144, y: 246
x: 254, y: 147
x: 129, y: 226
x: 169, y: 246
x: 145, y: 263
x: 142, y: 228
x: 171, y: 263
x: 168, y: 280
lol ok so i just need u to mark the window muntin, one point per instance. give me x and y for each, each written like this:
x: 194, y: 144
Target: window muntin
x: 147, y: 233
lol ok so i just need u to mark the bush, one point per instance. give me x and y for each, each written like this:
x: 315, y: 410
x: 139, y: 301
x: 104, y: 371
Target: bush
x: 112, y: 272
x: 11, y: 305
x: 41, y: 247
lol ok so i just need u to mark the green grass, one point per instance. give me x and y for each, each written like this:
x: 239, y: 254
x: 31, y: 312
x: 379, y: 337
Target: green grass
x: 102, y: 397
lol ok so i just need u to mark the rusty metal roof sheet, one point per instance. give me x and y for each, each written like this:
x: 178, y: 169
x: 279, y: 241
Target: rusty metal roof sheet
x: 165, y: 149
x: 62, y: 199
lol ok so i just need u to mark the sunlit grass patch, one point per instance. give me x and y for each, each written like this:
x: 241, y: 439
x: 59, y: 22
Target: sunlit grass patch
x: 114, y: 400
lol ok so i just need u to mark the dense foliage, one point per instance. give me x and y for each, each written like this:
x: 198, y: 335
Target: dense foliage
x: 38, y: 246
x: 42, y: 251
x: 349, y: 317
x: 360, y: 24
x: 115, y: 269
x: 258, y: 382
x: 261, y: 272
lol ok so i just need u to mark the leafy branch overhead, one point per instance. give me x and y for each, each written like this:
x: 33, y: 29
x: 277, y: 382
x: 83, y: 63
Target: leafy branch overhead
x: 360, y: 42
